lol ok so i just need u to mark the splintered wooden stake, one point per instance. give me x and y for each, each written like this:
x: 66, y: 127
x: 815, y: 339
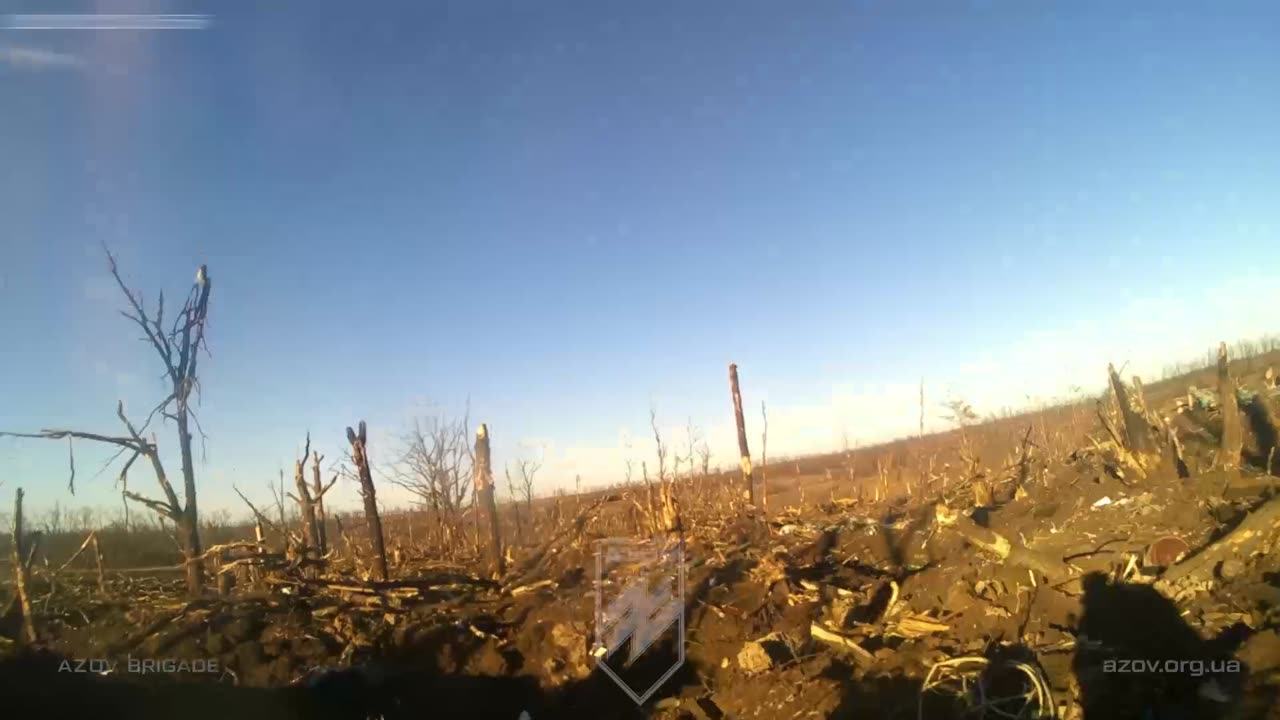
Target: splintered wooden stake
x: 1232, y: 435
x: 483, y: 483
x: 97, y: 556
x: 21, y: 578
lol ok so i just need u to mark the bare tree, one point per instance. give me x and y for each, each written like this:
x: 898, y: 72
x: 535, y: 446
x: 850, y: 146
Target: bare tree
x: 178, y: 346
x: 435, y: 464
x: 963, y: 416
x: 310, y: 501
x: 528, y: 471
x: 662, y: 510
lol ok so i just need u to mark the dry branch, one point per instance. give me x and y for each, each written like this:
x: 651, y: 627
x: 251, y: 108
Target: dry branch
x: 841, y: 642
x: 90, y: 538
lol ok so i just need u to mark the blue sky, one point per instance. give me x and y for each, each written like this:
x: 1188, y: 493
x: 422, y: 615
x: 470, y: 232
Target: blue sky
x: 567, y: 211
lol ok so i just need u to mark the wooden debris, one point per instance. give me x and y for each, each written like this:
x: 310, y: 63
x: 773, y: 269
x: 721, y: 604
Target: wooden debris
x: 841, y: 642
x: 914, y: 626
x: 1133, y: 439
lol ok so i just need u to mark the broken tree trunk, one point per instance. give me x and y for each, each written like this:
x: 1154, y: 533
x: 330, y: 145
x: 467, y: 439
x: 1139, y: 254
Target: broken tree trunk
x: 306, y: 504
x: 322, y: 539
x: 1136, y: 434
x: 1247, y: 537
x: 483, y: 482
x: 359, y: 455
x: 1007, y: 551
x: 738, y: 419
x: 21, y: 578
x: 1232, y: 435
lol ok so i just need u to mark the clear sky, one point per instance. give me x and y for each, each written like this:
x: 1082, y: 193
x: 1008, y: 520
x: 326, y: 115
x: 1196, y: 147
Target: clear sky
x: 568, y: 211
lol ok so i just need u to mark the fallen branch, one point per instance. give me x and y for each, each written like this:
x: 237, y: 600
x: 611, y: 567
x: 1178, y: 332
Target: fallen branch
x: 841, y: 642
x: 92, y: 536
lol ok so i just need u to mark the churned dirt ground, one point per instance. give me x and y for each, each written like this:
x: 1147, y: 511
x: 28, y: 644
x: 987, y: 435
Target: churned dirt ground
x: 873, y: 585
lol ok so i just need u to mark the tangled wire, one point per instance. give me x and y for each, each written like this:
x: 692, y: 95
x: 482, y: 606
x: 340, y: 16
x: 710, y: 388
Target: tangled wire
x: 966, y: 679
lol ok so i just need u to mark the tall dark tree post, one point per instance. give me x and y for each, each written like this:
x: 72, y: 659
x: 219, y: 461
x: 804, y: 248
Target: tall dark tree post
x: 360, y: 456
x: 743, y: 450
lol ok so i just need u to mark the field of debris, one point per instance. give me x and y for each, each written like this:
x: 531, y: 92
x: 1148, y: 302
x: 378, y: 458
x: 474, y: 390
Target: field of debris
x: 1106, y: 559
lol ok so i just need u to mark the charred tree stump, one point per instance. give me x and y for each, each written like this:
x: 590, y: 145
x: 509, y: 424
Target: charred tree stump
x: 21, y: 577
x: 483, y: 484
x: 1232, y: 436
x: 359, y: 455
x: 743, y: 450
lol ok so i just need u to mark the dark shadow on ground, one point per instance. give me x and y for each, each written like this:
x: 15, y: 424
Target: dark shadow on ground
x: 897, y: 697
x: 38, y: 684
x: 1137, y: 658
x: 884, y: 698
